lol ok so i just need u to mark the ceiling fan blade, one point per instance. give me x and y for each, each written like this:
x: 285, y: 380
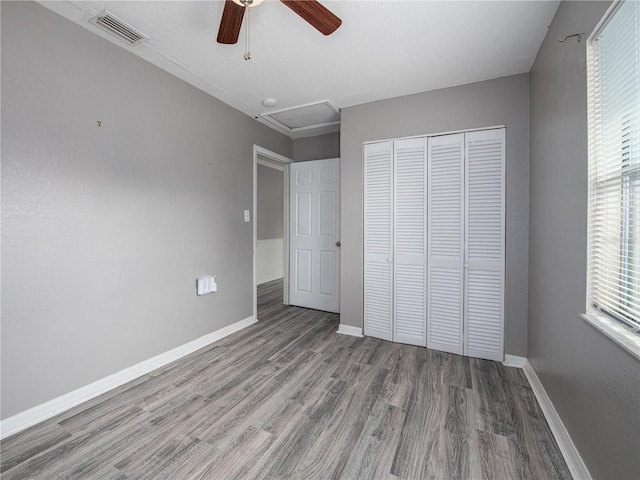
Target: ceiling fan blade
x: 317, y: 15
x: 231, y: 22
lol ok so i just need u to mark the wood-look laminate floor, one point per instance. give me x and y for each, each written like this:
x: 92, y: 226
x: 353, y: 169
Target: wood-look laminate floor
x: 290, y: 398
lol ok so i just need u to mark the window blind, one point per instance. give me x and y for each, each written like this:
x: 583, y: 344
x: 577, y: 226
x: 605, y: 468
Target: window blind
x: 614, y: 167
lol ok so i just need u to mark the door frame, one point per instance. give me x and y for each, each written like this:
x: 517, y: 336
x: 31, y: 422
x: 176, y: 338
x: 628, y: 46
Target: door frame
x: 284, y: 161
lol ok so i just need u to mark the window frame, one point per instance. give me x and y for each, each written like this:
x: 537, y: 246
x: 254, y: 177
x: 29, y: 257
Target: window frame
x: 623, y: 331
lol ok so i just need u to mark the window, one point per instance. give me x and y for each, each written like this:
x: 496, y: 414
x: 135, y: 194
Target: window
x: 613, y: 285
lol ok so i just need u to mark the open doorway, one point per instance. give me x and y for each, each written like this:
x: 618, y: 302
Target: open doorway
x: 271, y: 220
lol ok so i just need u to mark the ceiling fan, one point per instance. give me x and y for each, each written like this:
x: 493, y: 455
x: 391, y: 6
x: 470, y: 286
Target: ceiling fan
x: 312, y: 11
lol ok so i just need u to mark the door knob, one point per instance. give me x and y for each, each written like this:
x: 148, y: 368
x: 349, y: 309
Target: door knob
x: 338, y: 244
x: 389, y: 259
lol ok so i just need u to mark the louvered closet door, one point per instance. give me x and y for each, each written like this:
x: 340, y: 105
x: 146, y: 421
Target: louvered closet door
x: 484, y: 284
x: 445, y: 243
x: 410, y: 211
x: 378, y: 246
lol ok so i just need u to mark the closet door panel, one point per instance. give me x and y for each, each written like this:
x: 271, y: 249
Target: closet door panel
x: 409, y: 241
x: 378, y: 241
x: 484, y: 282
x: 445, y: 309
x: 445, y: 243
x: 484, y: 314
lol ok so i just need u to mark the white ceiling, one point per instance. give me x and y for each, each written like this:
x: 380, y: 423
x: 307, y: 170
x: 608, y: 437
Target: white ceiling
x: 383, y: 49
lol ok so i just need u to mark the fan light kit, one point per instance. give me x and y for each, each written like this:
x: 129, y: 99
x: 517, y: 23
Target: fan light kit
x: 311, y: 11
x: 249, y: 3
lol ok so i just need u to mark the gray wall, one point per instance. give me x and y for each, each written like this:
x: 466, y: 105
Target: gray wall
x: 502, y: 101
x: 316, y: 148
x: 593, y: 383
x: 104, y: 229
x: 270, y: 203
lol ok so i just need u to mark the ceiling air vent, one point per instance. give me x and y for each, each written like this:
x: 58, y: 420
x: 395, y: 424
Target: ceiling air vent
x: 108, y: 22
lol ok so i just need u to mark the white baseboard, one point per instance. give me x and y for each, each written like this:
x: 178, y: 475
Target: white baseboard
x: 514, y: 361
x: 349, y: 330
x: 569, y: 451
x: 49, y: 409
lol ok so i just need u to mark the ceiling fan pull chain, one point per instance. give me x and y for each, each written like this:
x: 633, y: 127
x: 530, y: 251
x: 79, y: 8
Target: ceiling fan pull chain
x: 247, y: 53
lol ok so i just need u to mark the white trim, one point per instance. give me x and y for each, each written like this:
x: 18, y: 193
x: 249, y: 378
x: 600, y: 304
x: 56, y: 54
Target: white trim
x: 514, y: 361
x: 601, y: 24
x: 627, y: 337
x: 286, y: 220
x: 44, y: 411
x: 269, y: 164
x: 569, y: 451
x: 258, y: 150
x: 439, y: 134
x: 349, y: 330
x: 284, y: 161
x: 616, y: 332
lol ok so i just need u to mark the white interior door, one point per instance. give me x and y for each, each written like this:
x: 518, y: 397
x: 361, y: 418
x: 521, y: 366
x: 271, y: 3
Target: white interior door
x: 314, y: 275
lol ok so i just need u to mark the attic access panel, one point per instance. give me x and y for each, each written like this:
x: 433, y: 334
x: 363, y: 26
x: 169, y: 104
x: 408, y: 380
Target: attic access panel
x: 306, y: 117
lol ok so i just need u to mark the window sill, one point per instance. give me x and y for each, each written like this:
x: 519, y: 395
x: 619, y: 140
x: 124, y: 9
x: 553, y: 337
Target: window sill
x: 616, y: 332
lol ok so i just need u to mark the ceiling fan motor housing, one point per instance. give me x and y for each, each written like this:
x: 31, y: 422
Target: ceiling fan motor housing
x: 312, y: 11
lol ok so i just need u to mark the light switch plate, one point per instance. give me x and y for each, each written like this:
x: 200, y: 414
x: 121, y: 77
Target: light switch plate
x: 247, y: 216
